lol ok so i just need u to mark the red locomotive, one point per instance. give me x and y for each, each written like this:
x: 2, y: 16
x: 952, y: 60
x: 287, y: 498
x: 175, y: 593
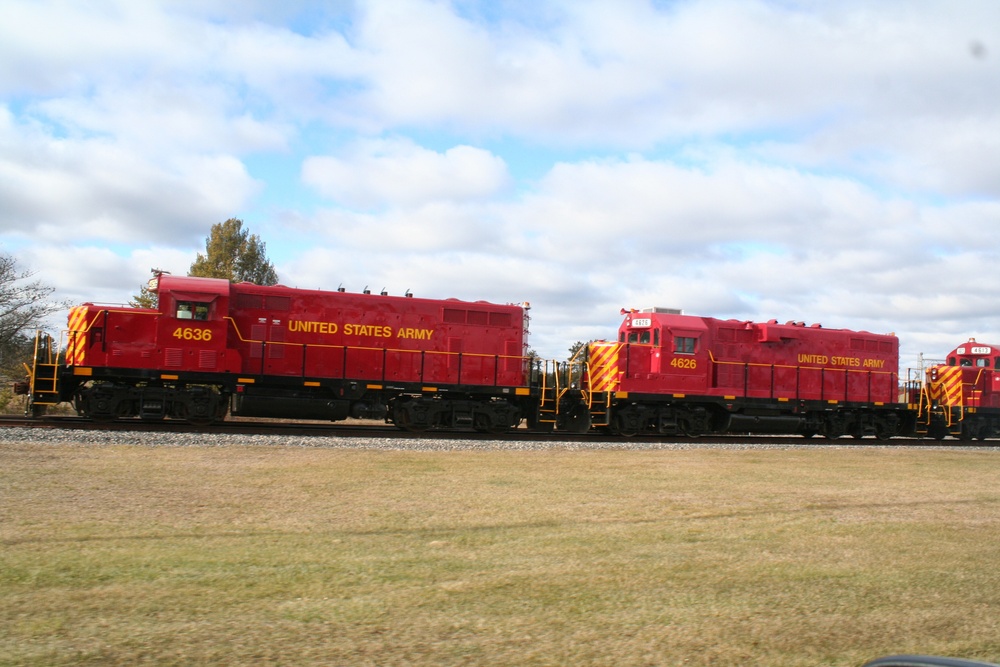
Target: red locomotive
x: 962, y: 396
x: 670, y: 373
x: 211, y: 346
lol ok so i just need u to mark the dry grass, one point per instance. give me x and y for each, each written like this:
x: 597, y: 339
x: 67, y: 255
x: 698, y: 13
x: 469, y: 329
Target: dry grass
x: 129, y: 555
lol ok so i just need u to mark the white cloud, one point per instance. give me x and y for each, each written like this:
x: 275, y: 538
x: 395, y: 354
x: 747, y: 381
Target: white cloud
x: 396, y: 173
x: 97, y: 273
x: 80, y: 189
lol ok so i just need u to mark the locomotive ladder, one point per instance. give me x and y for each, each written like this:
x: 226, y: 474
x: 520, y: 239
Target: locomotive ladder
x: 548, y: 409
x: 43, y: 376
x: 567, y: 400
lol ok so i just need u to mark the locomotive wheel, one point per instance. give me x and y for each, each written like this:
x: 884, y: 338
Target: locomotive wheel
x: 833, y: 428
x: 408, y: 424
x: 625, y: 425
x: 106, y: 405
x: 199, y: 416
x: 686, y: 426
x: 406, y: 417
x: 486, y: 423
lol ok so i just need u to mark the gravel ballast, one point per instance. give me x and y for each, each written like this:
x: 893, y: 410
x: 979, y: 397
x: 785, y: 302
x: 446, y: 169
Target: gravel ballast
x: 180, y: 439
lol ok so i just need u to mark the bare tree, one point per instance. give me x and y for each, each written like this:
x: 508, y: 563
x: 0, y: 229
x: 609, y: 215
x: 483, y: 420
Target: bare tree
x: 24, y: 305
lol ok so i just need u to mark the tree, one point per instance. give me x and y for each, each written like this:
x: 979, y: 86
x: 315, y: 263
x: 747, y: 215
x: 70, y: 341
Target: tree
x: 233, y: 253
x: 146, y: 298
x: 23, y: 307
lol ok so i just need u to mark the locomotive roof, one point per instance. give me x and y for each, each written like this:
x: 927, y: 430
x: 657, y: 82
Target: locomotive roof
x: 193, y: 284
x: 669, y: 316
x: 197, y: 288
x: 973, y: 348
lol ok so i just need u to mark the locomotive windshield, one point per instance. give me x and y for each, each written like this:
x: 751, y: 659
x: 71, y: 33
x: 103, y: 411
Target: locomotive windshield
x: 641, y: 337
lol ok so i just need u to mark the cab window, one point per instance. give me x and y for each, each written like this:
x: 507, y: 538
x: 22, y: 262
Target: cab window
x: 983, y: 363
x: 641, y: 337
x: 684, y: 345
x: 192, y: 310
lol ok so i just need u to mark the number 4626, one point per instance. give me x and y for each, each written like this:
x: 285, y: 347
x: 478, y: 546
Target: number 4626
x: 189, y: 333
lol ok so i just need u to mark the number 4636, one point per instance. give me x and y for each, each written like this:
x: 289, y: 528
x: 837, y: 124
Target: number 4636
x: 190, y: 333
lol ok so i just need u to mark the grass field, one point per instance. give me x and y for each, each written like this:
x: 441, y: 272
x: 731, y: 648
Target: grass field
x: 268, y: 555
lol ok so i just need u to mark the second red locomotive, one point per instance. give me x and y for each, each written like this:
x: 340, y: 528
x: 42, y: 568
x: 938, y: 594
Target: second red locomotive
x: 670, y: 373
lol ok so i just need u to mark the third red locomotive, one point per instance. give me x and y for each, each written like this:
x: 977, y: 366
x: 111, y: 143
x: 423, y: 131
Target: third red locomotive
x: 961, y: 397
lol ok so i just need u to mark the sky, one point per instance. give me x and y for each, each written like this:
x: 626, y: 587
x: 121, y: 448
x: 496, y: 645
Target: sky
x: 825, y: 162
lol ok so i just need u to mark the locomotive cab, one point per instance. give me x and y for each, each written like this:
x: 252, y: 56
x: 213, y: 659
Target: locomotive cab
x: 661, y: 343
x: 192, y: 328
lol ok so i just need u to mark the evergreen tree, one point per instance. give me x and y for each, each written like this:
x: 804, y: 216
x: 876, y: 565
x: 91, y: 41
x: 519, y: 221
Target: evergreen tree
x: 145, y: 298
x: 575, y: 349
x: 233, y: 253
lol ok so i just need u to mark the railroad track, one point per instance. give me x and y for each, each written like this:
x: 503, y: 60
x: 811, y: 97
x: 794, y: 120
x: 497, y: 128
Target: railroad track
x: 373, y: 429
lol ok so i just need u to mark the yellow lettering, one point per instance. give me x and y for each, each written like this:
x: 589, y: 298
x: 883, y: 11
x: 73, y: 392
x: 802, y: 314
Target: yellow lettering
x: 376, y: 330
x: 357, y: 329
x: 298, y: 326
x: 820, y: 359
x: 416, y: 334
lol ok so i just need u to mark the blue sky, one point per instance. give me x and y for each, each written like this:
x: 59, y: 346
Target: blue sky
x: 794, y: 159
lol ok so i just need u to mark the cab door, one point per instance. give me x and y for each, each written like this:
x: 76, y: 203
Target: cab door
x: 684, y: 361
x: 192, y: 335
